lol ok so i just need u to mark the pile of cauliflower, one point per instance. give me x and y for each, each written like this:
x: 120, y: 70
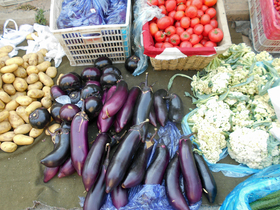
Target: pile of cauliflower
x: 234, y: 111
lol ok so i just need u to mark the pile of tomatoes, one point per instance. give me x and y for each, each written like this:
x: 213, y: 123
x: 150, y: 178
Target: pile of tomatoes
x: 187, y: 23
x: 276, y: 4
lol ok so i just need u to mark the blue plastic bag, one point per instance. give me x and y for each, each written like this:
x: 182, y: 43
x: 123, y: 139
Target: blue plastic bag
x: 116, y: 12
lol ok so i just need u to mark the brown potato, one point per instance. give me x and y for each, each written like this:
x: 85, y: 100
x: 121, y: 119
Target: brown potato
x: 33, y: 59
x: 20, y: 84
x: 57, y: 81
x: 5, y: 97
x: 23, y: 129
x: 47, y: 91
x: 1, y: 82
x: 43, y: 66
x: 37, y: 85
x: 29, y: 36
x: 51, y: 72
x: 4, y: 115
x: 12, y: 105
x: 15, y: 120
x: 8, y: 146
x: 5, y: 126
x: 32, y: 70
x: 9, y: 88
x: 34, y: 132
x: 20, y: 72
x: 9, y: 68
x: 43, y: 51
x: 6, y: 49
x: 2, y: 105
x: 3, y: 54
x: 13, y: 97
x: 46, y: 102
x: 8, y: 136
x: 15, y: 60
x: 20, y: 110
x: 25, y: 65
x: 24, y: 100
x: 31, y: 107
x: 35, y: 93
x: 52, y: 128
x: 8, y: 78
x: 45, y: 79
x: 32, y: 78
x: 40, y: 57
x: 21, y: 139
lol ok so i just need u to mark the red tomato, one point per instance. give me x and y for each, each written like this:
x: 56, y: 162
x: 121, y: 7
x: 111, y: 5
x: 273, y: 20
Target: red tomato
x: 164, y: 22
x: 163, y: 9
x: 204, y: 8
x: 195, y: 21
x: 205, y: 19
x: 185, y: 22
x: 170, y: 30
x: 216, y: 35
x: 177, y: 24
x: 166, y: 44
x: 191, y: 11
x: 185, y: 44
x: 181, y: 1
x: 211, y: 12
x: 214, y: 23
x: 200, y: 37
x: 199, y: 13
x: 153, y: 28
x: 179, y: 30
x: 152, y: 2
x: 185, y: 36
x: 210, y: 3
x: 203, y: 41
x: 188, y: 3
x: 158, y: 44
x: 207, y: 29
x: 181, y: 7
x: 167, y: 38
x: 171, y: 14
x: 197, y: 45
x: 171, y: 19
x: 190, y: 31
x: 159, y: 36
x: 174, y: 39
x: 161, y: 2
x: 170, y: 5
x: 194, y: 39
x: 210, y: 44
x: 198, y: 29
x: 197, y: 3
x: 178, y: 15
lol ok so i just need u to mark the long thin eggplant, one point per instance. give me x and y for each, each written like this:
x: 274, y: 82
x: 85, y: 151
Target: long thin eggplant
x: 96, y: 196
x: 94, y: 159
x: 111, y: 91
x: 156, y: 170
x: 66, y: 169
x: 192, y: 182
x: 161, y: 111
x: 104, y: 125
x: 79, y: 141
x: 119, y: 197
x: 123, y: 155
x: 173, y: 190
x: 152, y: 116
x: 176, y: 108
x: 125, y: 113
x: 50, y: 172
x: 117, y: 100
x: 137, y: 169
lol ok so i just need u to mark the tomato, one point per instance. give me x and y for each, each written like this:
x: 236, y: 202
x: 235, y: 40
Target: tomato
x: 178, y: 15
x: 197, y: 45
x: 185, y: 22
x: 152, y: 2
x: 164, y: 22
x: 210, y: 3
x: 166, y: 44
x: 177, y: 24
x: 171, y: 19
x: 211, y: 12
x: 214, y: 23
x: 159, y: 36
x: 203, y: 41
x: 172, y: 14
x: 188, y: 3
x: 181, y: 1
x: 185, y: 36
x: 197, y: 3
x: 207, y: 29
x: 210, y: 44
x: 195, y: 21
x: 190, y: 31
x: 185, y: 44
x: 216, y: 35
x: 194, y: 39
x: 163, y: 9
x: 198, y: 29
x: 167, y: 38
x: 161, y: 2
x: 174, y: 39
x: 158, y: 44
x: 179, y: 30
x: 170, y: 5
x: 205, y: 19
x: 181, y: 7
x: 199, y: 13
x: 200, y: 37
x: 170, y: 30
x: 153, y: 28
x: 204, y: 8
x: 191, y: 11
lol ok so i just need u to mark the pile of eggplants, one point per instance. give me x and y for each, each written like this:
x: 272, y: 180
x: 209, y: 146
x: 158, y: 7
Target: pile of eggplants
x: 117, y: 159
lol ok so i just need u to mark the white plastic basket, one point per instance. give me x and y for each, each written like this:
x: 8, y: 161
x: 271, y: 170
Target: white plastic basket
x: 5, y: 3
x: 82, y: 45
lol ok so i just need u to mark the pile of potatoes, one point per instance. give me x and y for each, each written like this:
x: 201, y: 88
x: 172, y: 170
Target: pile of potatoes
x: 25, y: 84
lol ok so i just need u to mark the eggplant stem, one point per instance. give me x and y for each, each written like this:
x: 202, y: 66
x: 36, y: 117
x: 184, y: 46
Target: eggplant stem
x: 81, y: 124
x: 153, y: 136
x: 146, y: 81
x: 107, y: 113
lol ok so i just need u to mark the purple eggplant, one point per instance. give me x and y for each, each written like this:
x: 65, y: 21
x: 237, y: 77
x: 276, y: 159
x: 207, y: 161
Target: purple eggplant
x: 94, y: 159
x: 54, y: 111
x: 192, y: 182
x: 39, y: 118
x: 110, y: 92
x: 104, y: 125
x: 117, y: 100
x: 111, y: 69
x: 90, y: 82
x: 75, y: 96
x: 160, y: 107
x: 156, y: 170
x: 103, y: 99
x: 91, y: 90
x: 91, y: 74
x: 67, y: 112
x: 93, y: 106
x: 152, y: 116
x: 70, y: 81
x: 137, y: 169
x: 109, y: 79
x: 79, y: 141
x: 56, y: 92
x: 50, y: 172
x: 173, y: 190
x: 122, y: 157
x: 125, y: 113
x: 102, y: 61
x: 66, y: 169
x: 176, y: 108
x: 119, y: 197
x: 96, y: 196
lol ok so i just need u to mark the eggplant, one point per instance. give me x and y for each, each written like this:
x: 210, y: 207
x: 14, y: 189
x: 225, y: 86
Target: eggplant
x: 192, y: 182
x: 102, y: 61
x: 143, y: 106
x: 173, y: 191
x: 90, y: 82
x: 67, y: 112
x: 124, y: 115
x: 54, y: 111
x: 56, y: 92
x: 39, y: 118
x: 50, y: 172
x: 156, y: 170
x: 92, y: 106
x: 79, y: 141
x: 131, y: 63
x: 94, y: 160
x: 160, y: 107
x: 91, y: 90
x: 111, y: 69
x: 104, y: 125
x: 122, y: 157
x: 66, y: 169
x: 75, y: 96
x: 109, y: 79
x: 152, y: 116
x: 70, y: 81
x: 119, y: 197
x: 117, y: 100
x: 61, y: 151
x: 91, y: 74
x: 176, y: 108
x: 110, y: 92
x: 209, y: 186
x: 137, y: 169
x: 96, y: 196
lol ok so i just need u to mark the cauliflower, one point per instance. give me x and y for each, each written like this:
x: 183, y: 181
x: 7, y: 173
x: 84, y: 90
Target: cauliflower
x: 264, y: 56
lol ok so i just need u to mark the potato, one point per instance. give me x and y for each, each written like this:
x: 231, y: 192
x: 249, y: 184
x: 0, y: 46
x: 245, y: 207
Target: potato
x: 15, y: 60
x: 8, y: 78
x: 8, y: 146
x: 37, y: 85
x: 52, y: 128
x: 33, y: 59
x: 47, y: 91
x: 34, y: 132
x: 20, y: 110
x: 8, y: 136
x: 32, y: 70
x: 31, y: 107
x: 45, y: 79
x: 2, y: 105
x: 46, y: 102
x: 32, y: 78
x: 44, y: 66
x: 21, y: 139
x: 5, y: 97
x: 4, y: 115
x: 7, y: 49
x: 29, y: 36
x: 40, y: 57
x: 51, y: 72
x: 20, y: 72
x: 5, y: 126
x: 3, y: 54
x: 9, y: 88
x: 35, y: 93
x: 26, y: 57
x: 15, y: 120
x: 9, y: 68
x: 25, y: 65
x: 24, y: 100
x: 20, y: 84
x: 12, y: 105
x: 13, y: 97
x: 57, y: 81
x: 23, y: 129
x: 4, y: 58
x: 43, y: 51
